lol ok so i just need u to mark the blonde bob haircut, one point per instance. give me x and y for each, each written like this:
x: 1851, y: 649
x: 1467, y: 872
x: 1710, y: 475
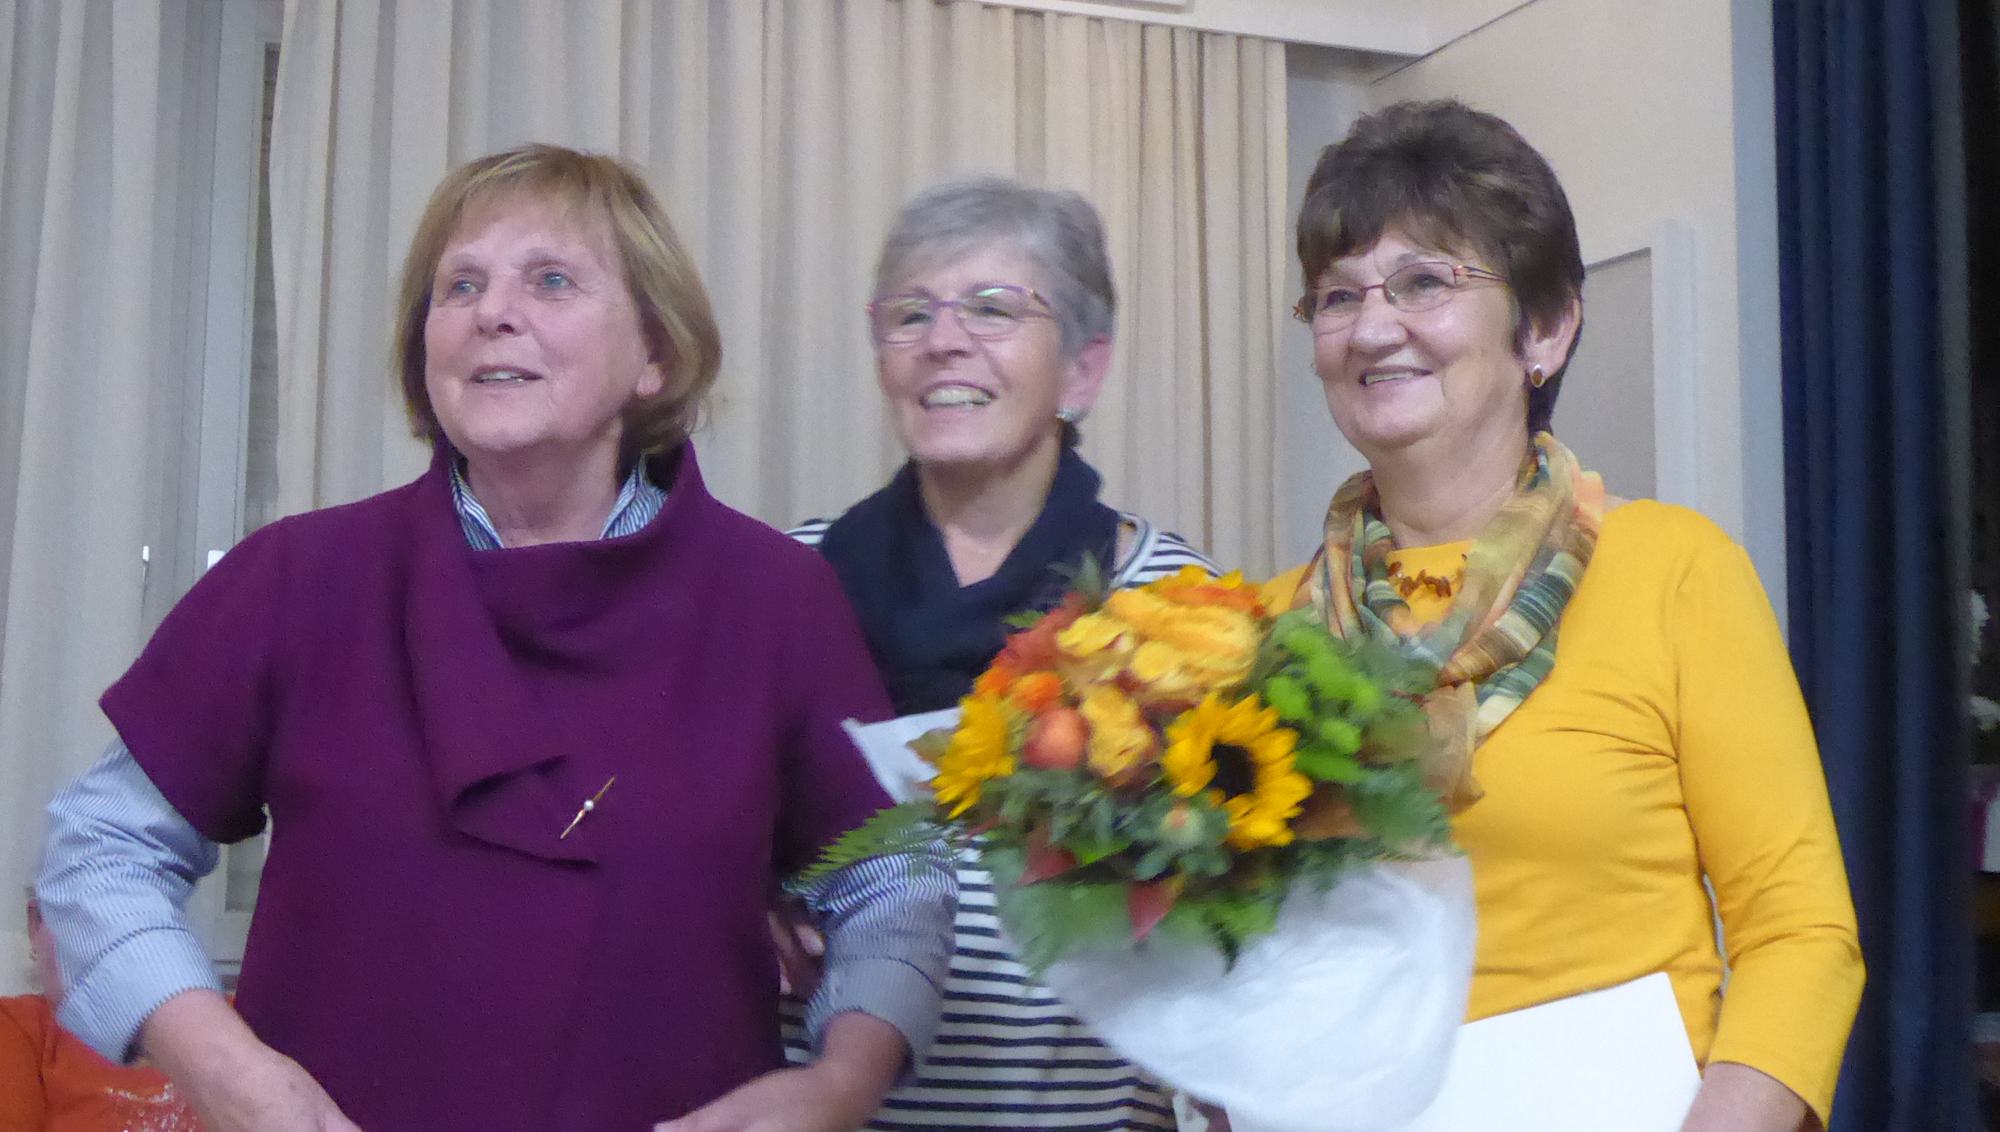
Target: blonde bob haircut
x: 674, y: 312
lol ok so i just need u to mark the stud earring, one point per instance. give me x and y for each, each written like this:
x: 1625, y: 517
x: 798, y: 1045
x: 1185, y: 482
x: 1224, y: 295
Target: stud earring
x: 1071, y: 415
x: 1538, y: 377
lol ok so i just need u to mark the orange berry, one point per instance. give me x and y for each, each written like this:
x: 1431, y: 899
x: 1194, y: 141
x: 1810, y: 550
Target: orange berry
x: 1057, y: 740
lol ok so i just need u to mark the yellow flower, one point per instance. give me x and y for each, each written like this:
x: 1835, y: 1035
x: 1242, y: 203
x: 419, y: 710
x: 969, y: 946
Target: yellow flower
x: 1184, y: 578
x: 1216, y: 641
x: 1094, y: 633
x: 1194, y: 586
x: 1169, y: 674
x: 1261, y: 812
x: 1119, y: 737
x: 1164, y: 669
x: 979, y: 750
x: 1192, y: 577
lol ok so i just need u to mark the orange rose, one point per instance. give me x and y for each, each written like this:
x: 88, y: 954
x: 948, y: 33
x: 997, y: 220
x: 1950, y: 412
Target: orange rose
x: 1035, y: 691
x: 994, y: 682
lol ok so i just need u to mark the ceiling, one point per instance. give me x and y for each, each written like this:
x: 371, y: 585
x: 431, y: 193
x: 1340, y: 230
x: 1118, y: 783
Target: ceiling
x: 1404, y: 28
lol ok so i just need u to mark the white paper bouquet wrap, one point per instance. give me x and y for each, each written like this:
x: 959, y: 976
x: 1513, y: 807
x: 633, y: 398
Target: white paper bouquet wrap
x: 1341, y: 1020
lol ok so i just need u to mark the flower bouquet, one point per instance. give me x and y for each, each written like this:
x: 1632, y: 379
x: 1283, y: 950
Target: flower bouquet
x: 1222, y: 838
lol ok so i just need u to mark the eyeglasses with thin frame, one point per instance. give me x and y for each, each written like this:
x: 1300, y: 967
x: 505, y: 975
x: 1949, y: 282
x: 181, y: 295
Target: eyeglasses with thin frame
x: 989, y: 313
x: 1412, y: 287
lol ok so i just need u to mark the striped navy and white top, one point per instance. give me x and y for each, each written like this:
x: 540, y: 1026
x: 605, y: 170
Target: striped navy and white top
x: 1007, y: 1053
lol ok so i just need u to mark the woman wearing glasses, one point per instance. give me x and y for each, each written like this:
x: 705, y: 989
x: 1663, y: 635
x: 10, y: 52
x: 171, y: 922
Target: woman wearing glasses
x: 993, y: 325
x: 1663, y: 739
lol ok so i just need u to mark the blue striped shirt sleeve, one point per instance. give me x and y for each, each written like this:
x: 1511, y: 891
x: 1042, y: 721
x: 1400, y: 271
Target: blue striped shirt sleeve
x: 888, y: 928
x: 119, y: 866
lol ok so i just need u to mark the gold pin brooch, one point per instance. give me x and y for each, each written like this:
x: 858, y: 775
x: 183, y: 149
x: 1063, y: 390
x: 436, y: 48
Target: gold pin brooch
x: 589, y: 804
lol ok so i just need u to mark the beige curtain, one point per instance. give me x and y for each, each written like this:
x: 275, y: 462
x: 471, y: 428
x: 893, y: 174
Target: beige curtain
x: 782, y: 134
x: 102, y: 267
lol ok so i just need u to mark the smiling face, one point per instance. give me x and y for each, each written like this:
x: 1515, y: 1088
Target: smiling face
x: 960, y: 401
x: 1450, y: 377
x: 532, y: 346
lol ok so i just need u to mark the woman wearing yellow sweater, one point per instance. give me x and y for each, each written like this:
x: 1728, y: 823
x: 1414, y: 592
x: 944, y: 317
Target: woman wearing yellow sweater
x: 1614, y: 668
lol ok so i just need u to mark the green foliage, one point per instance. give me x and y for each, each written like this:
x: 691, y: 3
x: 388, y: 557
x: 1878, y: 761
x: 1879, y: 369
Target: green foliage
x: 1323, y: 862
x: 1350, y: 703
x: 1092, y: 828
x: 1050, y: 919
x: 1390, y: 669
x: 907, y: 828
x: 1322, y: 765
x: 1289, y: 696
x: 1229, y: 918
x: 1395, y: 806
x: 1087, y: 578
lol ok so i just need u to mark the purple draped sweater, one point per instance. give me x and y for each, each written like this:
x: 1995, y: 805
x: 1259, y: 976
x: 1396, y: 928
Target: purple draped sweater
x: 422, y: 721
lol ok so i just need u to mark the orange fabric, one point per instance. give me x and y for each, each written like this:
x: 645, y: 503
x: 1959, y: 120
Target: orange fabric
x: 51, y: 1082
x: 1669, y: 742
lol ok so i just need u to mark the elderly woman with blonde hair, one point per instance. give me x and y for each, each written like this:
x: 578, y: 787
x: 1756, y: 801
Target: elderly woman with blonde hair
x: 539, y: 734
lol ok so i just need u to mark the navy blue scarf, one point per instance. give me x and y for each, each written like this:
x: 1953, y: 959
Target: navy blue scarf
x: 932, y: 637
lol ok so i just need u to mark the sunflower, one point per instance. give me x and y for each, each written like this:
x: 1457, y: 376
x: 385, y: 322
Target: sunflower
x: 979, y: 750
x: 1242, y: 746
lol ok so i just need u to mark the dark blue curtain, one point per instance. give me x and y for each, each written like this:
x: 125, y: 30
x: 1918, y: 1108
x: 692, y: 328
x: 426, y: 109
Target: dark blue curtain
x: 1871, y: 221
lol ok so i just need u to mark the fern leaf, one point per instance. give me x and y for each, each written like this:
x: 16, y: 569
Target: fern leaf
x: 905, y: 828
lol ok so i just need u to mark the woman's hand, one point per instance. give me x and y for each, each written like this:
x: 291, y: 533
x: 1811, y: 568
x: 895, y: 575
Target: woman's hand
x: 801, y: 949
x: 837, y: 1093
x: 234, y: 1082
x: 1737, y: 1098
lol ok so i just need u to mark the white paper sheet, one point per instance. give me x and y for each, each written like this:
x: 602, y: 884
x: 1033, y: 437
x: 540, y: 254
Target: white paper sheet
x: 1616, y: 1058
x: 886, y: 746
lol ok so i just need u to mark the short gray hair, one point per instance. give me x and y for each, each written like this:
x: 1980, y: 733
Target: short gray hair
x: 1056, y: 228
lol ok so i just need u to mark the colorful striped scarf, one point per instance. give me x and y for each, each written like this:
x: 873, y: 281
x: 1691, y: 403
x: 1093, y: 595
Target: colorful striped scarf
x: 1498, y: 642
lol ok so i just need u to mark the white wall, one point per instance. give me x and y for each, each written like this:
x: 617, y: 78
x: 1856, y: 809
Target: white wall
x: 1326, y: 91
x: 1636, y: 104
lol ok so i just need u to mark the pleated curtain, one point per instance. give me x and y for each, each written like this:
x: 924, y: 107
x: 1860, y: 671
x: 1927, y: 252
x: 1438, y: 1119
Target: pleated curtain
x: 104, y: 161
x: 782, y: 135
x: 1872, y: 229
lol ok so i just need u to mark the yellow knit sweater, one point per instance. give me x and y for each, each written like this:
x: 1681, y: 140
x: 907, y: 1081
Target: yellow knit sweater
x: 1669, y: 742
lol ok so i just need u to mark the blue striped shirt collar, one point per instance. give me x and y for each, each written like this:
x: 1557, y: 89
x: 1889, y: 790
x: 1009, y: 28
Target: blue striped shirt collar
x: 639, y: 501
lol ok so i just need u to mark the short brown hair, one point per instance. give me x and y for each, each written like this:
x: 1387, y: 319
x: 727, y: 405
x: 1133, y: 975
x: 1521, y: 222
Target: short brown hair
x: 674, y: 312
x: 1451, y: 177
